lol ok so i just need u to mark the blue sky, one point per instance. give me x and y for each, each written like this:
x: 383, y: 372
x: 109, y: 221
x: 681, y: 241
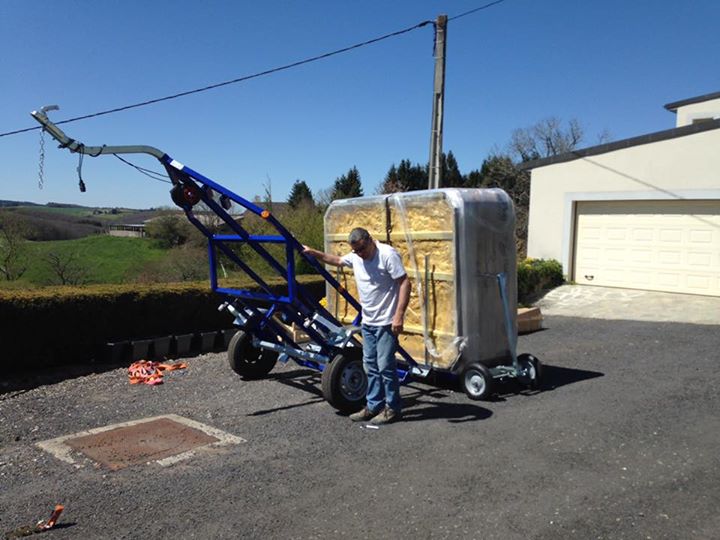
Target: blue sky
x: 612, y: 65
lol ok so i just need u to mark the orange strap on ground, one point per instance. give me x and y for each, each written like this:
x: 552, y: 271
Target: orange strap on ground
x: 151, y: 373
x: 50, y: 523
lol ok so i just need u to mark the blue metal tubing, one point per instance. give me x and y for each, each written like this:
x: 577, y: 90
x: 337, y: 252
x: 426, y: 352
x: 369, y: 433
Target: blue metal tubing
x: 249, y: 295
x: 264, y: 321
x: 406, y: 356
x: 328, y: 277
x: 258, y: 210
x: 278, y: 330
x: 290, y: 260
x: 290, y: 257
x: 254, y: 242
x: 246, y: 236
x: 237, y: 260
x: 288, y: 274
x: 213, y: 266
x: 213, y: 270
x: 255, y: 238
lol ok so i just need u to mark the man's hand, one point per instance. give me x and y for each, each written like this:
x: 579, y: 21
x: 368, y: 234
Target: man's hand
x: 397, y: 325
x: 327, y: 258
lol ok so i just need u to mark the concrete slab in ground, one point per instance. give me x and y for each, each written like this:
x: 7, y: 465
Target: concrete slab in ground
x: 630, y: 304
x: 161, y: 439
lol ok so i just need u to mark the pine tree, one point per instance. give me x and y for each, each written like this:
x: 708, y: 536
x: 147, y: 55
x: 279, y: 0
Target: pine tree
x: 451, y: 176
x: 404, y: 177
x: 348, y: 185
x: 300, y: 194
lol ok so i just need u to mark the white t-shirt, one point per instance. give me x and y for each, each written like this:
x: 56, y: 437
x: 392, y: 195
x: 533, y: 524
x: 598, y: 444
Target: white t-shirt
x: 376, y: 283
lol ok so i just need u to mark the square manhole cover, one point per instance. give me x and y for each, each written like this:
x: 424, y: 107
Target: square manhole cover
x: 164, y: 439
x: 133, y: 445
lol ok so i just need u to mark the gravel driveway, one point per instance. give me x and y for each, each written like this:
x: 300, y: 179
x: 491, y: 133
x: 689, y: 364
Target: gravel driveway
x: 622, y: 442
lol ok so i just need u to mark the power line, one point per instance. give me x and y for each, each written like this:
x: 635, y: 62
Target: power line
x: 254, y: 75
x: 233, y: 81
x: 475, y: 10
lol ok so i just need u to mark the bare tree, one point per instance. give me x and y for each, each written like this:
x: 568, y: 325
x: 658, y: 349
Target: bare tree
x: 604, y: 136
x: 13, y: 261
x: 67, y: 268
x: 323, y: 197
x: 546, y: 138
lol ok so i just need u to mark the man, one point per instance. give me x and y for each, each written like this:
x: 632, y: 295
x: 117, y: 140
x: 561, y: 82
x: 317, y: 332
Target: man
x: 384, y: 291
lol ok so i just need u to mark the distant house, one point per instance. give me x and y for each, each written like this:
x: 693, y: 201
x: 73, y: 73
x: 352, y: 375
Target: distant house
x: 641, y: 213
x: 135, y: 230
x: 133, y: 225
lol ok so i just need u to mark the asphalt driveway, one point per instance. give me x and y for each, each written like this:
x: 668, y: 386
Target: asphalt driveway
x: 621, y: 442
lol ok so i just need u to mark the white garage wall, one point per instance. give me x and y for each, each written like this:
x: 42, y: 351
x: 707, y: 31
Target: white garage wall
x: 705, y: 109
x: 686, y: 167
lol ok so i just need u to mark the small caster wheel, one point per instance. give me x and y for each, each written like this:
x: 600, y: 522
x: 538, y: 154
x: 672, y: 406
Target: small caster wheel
x: 530, y: 371
x: 477, y: 382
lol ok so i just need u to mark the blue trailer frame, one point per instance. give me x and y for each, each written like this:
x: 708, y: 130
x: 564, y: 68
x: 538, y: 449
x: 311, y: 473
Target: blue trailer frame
x: 333, y: 348
x: 298, y: 306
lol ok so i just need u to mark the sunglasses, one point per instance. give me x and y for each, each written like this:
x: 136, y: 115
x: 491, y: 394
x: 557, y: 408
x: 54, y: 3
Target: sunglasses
x: 361, y: 248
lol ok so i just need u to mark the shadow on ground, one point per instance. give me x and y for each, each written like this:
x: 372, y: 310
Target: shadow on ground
x: 21, y: 382
x: 430, y: 398
x: 553, y: 377
x: 427, y: 403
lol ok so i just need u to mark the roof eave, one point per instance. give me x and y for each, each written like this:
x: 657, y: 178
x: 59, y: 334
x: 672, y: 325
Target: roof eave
x: 673, y: 107
x: 625, y: 143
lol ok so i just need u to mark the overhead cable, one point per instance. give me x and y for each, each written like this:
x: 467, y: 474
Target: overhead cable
x: 233, y: 81
x: 255, y: 75
x: 476, y: 10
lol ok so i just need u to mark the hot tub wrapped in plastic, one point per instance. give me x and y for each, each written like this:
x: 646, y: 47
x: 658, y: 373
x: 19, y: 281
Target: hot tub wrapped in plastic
x: 454, y: 244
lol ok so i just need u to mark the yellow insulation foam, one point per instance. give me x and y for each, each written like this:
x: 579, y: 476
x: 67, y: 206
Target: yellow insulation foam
x: 430, y: 225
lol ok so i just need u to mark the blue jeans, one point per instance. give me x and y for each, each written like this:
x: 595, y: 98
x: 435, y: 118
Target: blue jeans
x: 379, y: 345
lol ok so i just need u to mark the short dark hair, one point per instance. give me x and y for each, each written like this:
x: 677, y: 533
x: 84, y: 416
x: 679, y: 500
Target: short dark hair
x: 358, y: 234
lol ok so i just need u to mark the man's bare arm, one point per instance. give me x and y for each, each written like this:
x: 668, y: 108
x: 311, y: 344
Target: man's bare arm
x: 403, y: 301
x: 327, y: 258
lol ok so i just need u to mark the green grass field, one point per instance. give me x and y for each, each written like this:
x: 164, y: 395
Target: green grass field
x: 107, y: 259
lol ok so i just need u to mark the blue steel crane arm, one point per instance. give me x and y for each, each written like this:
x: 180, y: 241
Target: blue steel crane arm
x: 263, y: 213
x: 170, y: 164
x: 308, y: 305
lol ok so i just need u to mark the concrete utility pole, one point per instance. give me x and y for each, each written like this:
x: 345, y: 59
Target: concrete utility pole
x: 435, y: 171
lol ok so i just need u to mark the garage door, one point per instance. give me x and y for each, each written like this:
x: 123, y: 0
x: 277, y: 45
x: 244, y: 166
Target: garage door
x: 671, y: 246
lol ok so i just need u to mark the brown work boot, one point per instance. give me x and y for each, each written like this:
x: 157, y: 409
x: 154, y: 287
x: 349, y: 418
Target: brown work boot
x: 387, y: 416
x: 363, y: 415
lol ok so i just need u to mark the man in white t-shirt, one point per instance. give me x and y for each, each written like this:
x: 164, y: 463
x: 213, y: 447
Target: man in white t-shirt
x: 384, y: 291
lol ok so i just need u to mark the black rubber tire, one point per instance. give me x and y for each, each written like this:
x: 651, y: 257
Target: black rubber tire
x: 532, y: 367
x: 344, y: 382
x: 476, y: 381
x: 248, y: 361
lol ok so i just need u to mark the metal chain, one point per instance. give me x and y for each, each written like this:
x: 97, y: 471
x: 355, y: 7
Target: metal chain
x: 41, y: 163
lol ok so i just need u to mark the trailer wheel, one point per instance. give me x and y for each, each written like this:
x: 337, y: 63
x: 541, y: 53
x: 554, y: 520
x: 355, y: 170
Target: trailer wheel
x: 247, y: 360
x: 530, y: 371
x: 344, y: 382
x: 477, y: 382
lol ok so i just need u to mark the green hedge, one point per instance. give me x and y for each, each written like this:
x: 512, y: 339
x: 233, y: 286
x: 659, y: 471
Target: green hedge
x: 536, y: 275
x: 66, y: 325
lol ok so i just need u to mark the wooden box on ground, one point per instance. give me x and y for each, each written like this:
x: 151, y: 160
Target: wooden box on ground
x: 529, y: 320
